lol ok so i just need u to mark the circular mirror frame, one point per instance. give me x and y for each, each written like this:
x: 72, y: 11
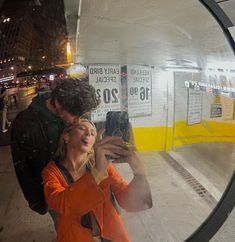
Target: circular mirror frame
x: 227, y: 202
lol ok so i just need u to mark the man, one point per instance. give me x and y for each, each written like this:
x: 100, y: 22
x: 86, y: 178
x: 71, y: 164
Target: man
x: 36, y: 132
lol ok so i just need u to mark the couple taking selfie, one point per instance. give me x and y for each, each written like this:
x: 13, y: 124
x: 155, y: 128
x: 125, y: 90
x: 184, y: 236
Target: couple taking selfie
x: 65, y: 166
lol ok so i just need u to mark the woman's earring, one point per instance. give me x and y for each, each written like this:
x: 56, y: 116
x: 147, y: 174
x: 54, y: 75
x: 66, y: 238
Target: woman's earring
x: 66, y: 141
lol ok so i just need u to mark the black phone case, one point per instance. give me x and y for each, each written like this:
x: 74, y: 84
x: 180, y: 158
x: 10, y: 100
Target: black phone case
x: 117, y: 124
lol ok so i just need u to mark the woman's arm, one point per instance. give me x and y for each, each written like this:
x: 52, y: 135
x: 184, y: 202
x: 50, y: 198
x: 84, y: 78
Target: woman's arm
x: 136, y: 195
x: 79, y: 198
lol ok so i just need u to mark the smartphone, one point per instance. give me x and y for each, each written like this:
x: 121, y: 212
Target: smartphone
x: 117, y: 124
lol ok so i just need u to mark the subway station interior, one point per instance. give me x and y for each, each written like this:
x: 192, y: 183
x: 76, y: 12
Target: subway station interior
x: 170, y: 64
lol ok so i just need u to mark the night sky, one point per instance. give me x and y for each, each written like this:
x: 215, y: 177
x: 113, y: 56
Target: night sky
x: 12, y: 3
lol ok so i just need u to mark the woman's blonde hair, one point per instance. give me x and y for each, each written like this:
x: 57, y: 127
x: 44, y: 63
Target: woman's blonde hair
x: 61, y: 151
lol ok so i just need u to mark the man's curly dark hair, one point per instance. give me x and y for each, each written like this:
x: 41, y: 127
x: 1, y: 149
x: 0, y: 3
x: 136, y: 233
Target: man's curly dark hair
x: 75, y: 96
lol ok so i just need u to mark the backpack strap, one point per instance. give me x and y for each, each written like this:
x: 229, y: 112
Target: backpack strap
x: 67, y: 176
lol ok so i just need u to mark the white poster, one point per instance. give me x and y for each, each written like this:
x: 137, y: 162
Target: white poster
x: 194, y: 106
x: 106, y: 79
x: 227, y: 107
x: 139, y: 86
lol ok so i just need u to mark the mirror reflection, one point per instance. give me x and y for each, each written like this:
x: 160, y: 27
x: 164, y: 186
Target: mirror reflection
x: 141, y: 148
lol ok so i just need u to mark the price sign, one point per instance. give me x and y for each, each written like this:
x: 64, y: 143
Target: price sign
x: 106, y: 80
x: 227, y: 108
x: 216, y: 111
x: 139, y: 91
x: 194, y: 107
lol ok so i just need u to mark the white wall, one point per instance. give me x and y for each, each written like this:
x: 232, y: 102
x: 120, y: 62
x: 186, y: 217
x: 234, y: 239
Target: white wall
x: 169, y: 77
x: 181, y: 96
x: 161, y: 81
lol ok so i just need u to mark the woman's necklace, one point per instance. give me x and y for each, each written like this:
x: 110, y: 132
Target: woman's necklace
x: 80, y: 171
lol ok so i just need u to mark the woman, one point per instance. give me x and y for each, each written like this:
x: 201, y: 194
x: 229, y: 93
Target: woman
x: 78, y: 185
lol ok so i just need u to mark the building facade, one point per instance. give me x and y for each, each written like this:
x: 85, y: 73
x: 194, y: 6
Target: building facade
x: 33, y: 36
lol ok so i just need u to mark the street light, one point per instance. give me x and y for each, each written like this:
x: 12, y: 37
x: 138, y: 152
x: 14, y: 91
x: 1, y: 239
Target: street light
x: 68, y: 52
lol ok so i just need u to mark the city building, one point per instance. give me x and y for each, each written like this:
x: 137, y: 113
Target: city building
x: 25, y: 42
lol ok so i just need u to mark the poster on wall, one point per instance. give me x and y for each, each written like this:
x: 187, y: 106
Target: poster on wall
x: 106, y: 79
x: 227, y: 108
x: 139, y: 89
x: 233, y: 109
x: 217, y: 99
x: 216, y: 110
x: 194, y: 115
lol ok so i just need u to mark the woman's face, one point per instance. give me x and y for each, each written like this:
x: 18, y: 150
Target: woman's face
x: 82, y: 136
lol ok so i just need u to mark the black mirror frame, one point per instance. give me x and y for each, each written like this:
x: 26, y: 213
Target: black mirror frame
x: 227, y: 202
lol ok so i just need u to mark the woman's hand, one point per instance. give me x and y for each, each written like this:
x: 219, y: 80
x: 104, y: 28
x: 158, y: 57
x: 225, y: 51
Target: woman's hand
x: 106, y: 149
x: 133, y: 159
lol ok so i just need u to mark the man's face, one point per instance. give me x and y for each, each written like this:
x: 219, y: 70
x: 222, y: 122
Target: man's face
x: 67, y: 117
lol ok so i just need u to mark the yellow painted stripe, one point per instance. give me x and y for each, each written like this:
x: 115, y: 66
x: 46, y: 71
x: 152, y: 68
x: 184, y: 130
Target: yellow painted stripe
x: 163, y: 138
x: 206, y: 131
x: 151, y: 138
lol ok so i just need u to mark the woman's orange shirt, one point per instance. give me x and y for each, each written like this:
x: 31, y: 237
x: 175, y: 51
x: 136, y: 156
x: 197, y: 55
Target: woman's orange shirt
x: 73, y: 201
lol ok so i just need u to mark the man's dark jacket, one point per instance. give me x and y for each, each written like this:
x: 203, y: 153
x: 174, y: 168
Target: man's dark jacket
x: 34, y: 139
